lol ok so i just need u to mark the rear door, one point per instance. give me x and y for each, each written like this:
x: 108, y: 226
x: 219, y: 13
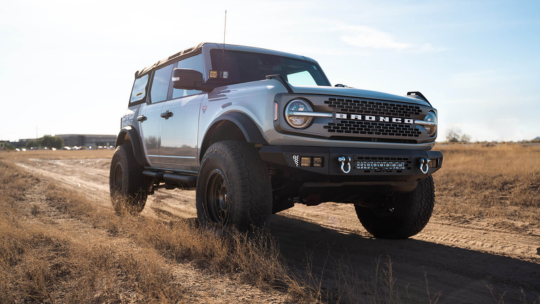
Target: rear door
x: 150, y: 115
x: 179, y: 147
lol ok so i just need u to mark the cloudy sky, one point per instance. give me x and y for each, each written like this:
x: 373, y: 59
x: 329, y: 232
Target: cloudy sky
x: 68, y: 66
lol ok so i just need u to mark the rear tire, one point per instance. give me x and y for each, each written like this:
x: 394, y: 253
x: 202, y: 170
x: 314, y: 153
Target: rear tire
x: 233, y: 187
x: 128, y: 186
x: 409, y: 214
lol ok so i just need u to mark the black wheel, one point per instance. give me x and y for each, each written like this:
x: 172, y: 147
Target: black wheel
x: 233, y: 187
x: 128, y: 187
x: 406, y: 216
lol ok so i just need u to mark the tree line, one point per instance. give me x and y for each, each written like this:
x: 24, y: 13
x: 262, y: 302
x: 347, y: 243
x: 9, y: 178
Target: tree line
x: 46, y: 141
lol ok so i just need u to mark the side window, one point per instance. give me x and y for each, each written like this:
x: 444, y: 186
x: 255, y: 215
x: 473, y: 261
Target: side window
x: 194, y: 63
x: 303, y: 78
x: 139, y: 89
x: 160, y: 84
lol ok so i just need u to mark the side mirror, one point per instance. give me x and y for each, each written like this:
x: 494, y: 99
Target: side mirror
x: 186, y: 79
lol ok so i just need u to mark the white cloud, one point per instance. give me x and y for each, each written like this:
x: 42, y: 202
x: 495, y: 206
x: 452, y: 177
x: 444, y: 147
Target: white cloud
x: 365, y: 36
x: 369, y: 37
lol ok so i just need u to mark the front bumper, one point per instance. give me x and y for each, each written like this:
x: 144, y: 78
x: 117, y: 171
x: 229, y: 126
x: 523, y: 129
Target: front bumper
x: 367, y: 166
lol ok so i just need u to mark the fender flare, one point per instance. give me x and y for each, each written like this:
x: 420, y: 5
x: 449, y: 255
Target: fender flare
x: 135, y: 144
x: 249, y: 129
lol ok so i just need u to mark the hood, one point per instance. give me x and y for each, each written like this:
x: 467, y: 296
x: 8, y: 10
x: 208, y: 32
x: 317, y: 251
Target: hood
x: 356, y: 93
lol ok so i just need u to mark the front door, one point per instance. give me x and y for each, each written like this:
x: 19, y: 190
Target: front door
x: 179, y: 147
x: 179, y: 133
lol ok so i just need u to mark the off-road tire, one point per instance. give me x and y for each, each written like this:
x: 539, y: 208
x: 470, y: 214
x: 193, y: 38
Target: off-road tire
x: 247, y: 187
x: 128, y: 186
x: 410, y: 215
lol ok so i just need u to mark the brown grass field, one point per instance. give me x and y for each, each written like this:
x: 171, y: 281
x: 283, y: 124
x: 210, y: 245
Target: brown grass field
x: 59, y: 245
x: 500, y: 183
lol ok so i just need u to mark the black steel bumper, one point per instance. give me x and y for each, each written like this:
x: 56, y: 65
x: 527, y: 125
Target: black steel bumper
x: 367, y: 166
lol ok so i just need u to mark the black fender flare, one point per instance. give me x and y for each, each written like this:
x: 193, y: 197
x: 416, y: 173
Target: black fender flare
x: 135, y: 143
x: 243, y: 122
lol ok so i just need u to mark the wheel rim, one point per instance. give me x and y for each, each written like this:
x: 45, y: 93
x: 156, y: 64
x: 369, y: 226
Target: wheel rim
x: 217, y: 198
x: 118, y: 176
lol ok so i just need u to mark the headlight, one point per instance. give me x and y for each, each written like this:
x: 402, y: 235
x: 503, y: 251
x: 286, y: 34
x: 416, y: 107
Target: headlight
x: 431, y: 128
x: 296, y: 121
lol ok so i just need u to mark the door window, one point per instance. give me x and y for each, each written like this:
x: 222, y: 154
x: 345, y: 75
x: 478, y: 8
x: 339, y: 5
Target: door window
x: 160, y: 84
x: 138, y: 92
x: 194, y: 63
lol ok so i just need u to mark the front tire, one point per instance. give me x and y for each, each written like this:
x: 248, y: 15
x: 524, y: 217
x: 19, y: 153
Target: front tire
x: 233, y: 187
x: 407, y: 216
x: 128, y: 186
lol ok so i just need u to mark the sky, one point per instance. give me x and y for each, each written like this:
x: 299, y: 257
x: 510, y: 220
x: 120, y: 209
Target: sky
x: 68, y: 66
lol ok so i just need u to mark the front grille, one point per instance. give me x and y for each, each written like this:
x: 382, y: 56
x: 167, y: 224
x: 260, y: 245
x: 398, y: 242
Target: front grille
x: 372, y: 128
x: 383, y: 164
x: 373, y: 107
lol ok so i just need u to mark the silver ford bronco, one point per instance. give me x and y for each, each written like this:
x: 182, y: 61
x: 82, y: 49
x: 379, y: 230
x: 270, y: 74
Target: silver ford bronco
x: 256, y: 131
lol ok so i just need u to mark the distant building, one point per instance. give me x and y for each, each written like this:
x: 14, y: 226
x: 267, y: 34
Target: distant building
x: 22, y: 142
x: 87, y: 140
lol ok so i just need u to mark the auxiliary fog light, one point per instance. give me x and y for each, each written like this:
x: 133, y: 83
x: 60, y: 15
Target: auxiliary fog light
x: 317, y: 162
x: 305, y: 161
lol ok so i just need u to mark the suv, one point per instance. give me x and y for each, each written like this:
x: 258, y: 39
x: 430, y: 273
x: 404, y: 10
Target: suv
x: 256, y: 131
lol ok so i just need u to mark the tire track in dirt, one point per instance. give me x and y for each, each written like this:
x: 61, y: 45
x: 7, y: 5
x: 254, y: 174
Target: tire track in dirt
x: 460, y: 260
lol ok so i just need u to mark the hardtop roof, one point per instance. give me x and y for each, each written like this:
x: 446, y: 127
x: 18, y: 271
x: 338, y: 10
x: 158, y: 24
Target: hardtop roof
x: 192, y: 51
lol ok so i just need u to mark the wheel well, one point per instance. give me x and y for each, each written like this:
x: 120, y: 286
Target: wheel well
x: 222, y: 130
x: 123, y: 138
x: 130, y: 138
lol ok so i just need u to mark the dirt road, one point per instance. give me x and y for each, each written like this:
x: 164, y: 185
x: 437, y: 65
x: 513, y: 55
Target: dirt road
x: 461, y: 260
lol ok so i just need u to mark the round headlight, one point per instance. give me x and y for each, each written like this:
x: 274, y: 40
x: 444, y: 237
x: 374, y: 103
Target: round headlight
x: 297, y: 121
x: 431, y: 117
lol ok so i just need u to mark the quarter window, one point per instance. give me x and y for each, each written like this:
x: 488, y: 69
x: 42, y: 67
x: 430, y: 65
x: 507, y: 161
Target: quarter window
x: 303, y: 78
x: 194, y: 63
x: 160, y: 84
x: 138, y: 92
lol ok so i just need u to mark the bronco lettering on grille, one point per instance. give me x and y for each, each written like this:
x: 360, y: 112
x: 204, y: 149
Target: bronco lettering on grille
x: 374, y: 118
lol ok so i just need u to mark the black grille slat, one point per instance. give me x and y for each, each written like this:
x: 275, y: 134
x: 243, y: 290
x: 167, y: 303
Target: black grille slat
x: 374, y: 107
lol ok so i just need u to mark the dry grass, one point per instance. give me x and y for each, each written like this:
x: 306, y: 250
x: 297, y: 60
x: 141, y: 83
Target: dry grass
x: 496, y: 182
x: 39, y: 262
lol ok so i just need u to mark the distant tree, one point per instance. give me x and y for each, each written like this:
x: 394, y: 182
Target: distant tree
x: 465, y: 138
x: 6, y: 146
x: 51, y: 142
x: 455, y: 136
x: 31, y: 143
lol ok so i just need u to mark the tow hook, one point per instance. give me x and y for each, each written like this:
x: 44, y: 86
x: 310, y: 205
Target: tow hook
x: 344, y: 159
x: 424, y: 165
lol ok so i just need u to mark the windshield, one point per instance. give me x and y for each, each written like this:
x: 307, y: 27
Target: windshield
x: 246, y: 66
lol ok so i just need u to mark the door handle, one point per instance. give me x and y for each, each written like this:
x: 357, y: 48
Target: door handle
x: 141, y: 118
x: 167, y: 114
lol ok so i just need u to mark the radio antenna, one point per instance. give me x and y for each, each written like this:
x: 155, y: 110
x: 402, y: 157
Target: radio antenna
x: 223, y: 56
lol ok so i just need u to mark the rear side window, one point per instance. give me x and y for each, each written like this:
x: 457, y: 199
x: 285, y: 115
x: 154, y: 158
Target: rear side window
x: 160, y: 84
x: 139, y: 89
x: 194, y: 63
